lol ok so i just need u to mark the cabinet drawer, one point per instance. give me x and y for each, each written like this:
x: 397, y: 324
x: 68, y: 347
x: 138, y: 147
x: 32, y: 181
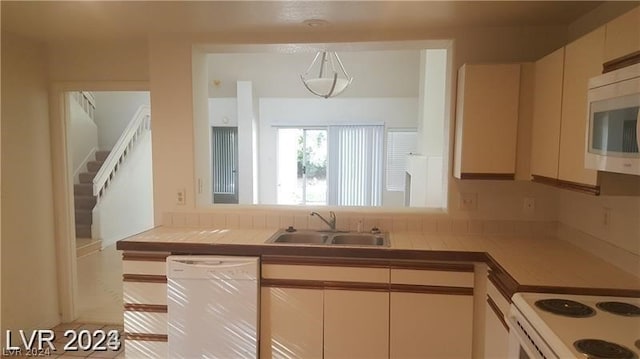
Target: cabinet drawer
x: 432, y: 278
x: 145, y: 293
x: 143, y: 349
x: 145, y: 322
x: 325, y: 273
x: 144, y: 267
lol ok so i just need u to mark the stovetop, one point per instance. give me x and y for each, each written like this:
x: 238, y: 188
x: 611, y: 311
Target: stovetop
x: 588, y: 324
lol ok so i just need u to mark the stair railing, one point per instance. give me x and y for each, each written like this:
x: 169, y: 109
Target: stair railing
x: 140, y: 122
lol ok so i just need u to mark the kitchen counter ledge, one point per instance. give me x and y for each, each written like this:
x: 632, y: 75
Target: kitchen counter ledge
x: 520, y: 263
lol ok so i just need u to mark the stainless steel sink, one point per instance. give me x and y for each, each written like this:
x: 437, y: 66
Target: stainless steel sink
x: 301, y: 238
x: 360, y: 239
x: 330, y: 238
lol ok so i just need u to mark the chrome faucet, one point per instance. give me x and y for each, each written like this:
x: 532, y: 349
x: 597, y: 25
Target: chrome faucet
x: 331, y: 222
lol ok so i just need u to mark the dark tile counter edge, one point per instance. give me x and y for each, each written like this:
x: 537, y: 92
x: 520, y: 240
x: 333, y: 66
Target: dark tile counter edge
x: 509, y: 284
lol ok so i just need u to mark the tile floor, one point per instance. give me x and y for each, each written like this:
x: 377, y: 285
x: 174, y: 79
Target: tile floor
x: 100, y: 287
x: 100, y: 305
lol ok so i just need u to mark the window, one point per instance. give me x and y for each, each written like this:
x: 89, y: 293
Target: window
x: 400, y: 143
x: 302, y: 166
x: 336, y: 165
x: 355, y: 165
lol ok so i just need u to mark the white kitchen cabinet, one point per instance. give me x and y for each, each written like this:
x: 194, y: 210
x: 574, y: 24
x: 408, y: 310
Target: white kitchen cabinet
x: 291, y: 323
x: 487, y: 121
x: 326, y: 319
x: 356, y: 324
x: 431, y: 314
x: 583, y: 60
x: 427, y: 325
x: 622, y: 35
x: 547, y: 112
x: 496, y: 335
x: 145, y: 305
x: 496, y: 330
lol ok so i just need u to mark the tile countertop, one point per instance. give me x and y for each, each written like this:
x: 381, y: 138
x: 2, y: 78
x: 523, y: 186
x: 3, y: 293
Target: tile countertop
x: 531, y: 261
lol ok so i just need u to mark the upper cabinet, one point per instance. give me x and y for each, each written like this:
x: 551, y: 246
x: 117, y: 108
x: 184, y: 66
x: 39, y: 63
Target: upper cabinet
x: 560, y: 113
x: 547, y: 112
x: 622, y: 35
x: 487, y: 121
x: 583, y: 60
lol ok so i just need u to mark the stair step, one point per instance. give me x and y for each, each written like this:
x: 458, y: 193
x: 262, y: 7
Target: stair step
x: 86, y: 246
x: 94, y: 166
x: 83, y: 231
x: 102, y: 155
x: 84, y: 202
x: 84, y: 217
x: 83, y: 189
x: 87, y: 177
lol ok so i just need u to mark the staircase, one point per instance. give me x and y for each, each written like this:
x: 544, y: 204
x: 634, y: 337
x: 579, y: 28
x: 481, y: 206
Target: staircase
x: 84, y: 201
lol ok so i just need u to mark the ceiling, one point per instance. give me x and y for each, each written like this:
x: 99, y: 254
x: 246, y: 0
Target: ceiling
x: 57, y: 20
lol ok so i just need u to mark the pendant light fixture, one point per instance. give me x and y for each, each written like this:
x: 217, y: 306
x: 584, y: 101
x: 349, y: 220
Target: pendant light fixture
x: 329, y: 82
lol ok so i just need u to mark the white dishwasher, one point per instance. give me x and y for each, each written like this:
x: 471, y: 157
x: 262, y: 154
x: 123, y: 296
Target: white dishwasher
x: 212, y: 307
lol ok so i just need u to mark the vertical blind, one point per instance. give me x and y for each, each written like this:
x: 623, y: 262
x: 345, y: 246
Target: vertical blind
x: 399, y: 145
x: 355, y: 162
x: 224, y: 160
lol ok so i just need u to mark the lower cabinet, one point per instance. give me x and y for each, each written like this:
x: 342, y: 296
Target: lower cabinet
x: 431, y: 311
x: 496, y: 330
x: 496, y: 335
x: 431, y: 325
x: 356, y: 324
x: 291, y: 323
x: 364, y: 310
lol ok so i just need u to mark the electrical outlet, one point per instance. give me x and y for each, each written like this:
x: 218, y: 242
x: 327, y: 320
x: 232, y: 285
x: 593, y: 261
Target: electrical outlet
x: 468, y: 201
x: 181, y: 197
x: 529, y: 206
x: 606, y: 216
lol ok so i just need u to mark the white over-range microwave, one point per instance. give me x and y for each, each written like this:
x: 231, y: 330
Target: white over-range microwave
x: 613, y: 130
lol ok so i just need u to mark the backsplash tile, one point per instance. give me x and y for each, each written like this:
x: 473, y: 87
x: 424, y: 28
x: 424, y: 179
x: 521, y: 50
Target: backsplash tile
x: 443, y: 226
x: 399, y: 224
x: 206, y: 220
x: 258, y: 221
x: 219, y: 220
x: 272, y: 221
x: 352, y: 221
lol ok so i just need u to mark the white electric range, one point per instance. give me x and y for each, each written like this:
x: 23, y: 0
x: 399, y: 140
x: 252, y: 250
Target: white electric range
x: 587, y: 328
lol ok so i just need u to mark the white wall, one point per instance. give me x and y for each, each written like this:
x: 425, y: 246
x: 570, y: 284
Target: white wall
x: 586, y: 213
x: 246, y: 122
x: 223, y: 112
x: 114, y: 111
x: 376, y: 74
x: 393, y: 112
x: 130, y: 192
x: 83, y: 137
x: 30, y: 294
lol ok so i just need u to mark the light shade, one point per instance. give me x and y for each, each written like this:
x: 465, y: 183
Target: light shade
x: 329, y: 82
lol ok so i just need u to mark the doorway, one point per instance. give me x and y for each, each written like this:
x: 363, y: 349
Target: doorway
x: 94, y: 294
x: 224, y: 141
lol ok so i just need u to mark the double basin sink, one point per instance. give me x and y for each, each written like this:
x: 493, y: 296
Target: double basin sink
x: 330, y: 238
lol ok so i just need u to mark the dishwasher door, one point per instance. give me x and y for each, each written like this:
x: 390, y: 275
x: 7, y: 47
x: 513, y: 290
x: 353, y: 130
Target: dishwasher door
x: 212, y: 306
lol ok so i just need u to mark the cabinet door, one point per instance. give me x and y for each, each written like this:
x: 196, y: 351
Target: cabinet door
x: 545, y: 143
x: 623, y: 35
x: 356, y: 324
x: 487, y: 120
x: 496, y: 335
x: 583, y: 60
x: 430, y: 325
x: 291, y: 323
